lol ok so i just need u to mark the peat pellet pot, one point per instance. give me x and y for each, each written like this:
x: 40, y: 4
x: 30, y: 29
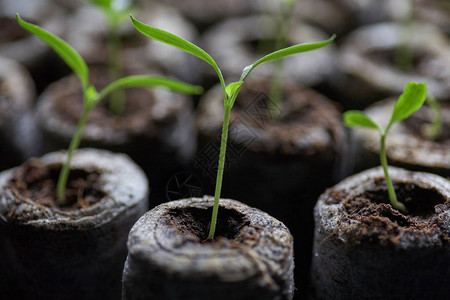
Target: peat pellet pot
x: 169, y: 256
x: 75, y: 251
x: 365, y: 249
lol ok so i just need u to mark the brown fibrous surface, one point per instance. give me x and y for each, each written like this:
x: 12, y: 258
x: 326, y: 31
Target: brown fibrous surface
x: 37, y: 182
x: 378, y: 221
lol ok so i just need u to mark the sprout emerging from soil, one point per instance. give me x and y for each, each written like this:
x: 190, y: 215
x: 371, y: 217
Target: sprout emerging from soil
x: 230, y: 91
x: 411, y: 100
x: 90, y: 95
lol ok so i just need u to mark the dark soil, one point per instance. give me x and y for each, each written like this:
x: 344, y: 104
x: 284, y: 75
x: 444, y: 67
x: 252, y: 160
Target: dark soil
x: 380, y: 221
x: 195, y: 222
x: 37, y: 182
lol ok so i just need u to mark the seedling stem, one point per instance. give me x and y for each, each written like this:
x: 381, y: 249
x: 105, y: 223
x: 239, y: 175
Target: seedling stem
x: 404, y: 54
x: 230, y: 91
x: 117, y: 101
x: 115, y: 12
x: 220, y: 169
x: 391, y: 191
x: 410, y: 101
x: 282, y: 38
x: 74, y: 144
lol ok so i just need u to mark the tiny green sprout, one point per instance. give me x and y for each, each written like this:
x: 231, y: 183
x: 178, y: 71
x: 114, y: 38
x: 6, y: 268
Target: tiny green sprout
x: 433, y: 130
x: 90, y: 95
x: 411, y: 100
x: 115, y: 12
x: 230, y: 91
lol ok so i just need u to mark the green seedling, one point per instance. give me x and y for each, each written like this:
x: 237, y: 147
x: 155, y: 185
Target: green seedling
x: 433, y: 130
x: 285, y: 18
x: 90, y: 95
x: 404, y: 52
x: 116, y: 13
x: 229, y: 92
x: 411, y: 100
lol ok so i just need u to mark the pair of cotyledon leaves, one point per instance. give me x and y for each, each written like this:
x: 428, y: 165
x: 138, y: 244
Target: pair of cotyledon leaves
x: 77, y: 64
x: 230, y: 90
x: 412, y: 98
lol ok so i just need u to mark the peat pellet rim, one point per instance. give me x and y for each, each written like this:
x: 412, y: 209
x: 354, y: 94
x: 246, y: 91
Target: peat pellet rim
x: 356, y: 212
x: 420, y: 202
x: 259, y: 244
x: 123, y: 183
x: 37, y: 181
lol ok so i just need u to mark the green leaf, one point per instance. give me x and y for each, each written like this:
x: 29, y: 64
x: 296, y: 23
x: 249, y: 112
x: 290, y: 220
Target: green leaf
x: 286, y: 52
x: 413, y: 97
x: 232, y: 88
x: 105, y: 4
x: 67, y: 53
x: 149, y: 81
x: 356, y: 118
x: 173, y: 40
x: 90, y: 93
